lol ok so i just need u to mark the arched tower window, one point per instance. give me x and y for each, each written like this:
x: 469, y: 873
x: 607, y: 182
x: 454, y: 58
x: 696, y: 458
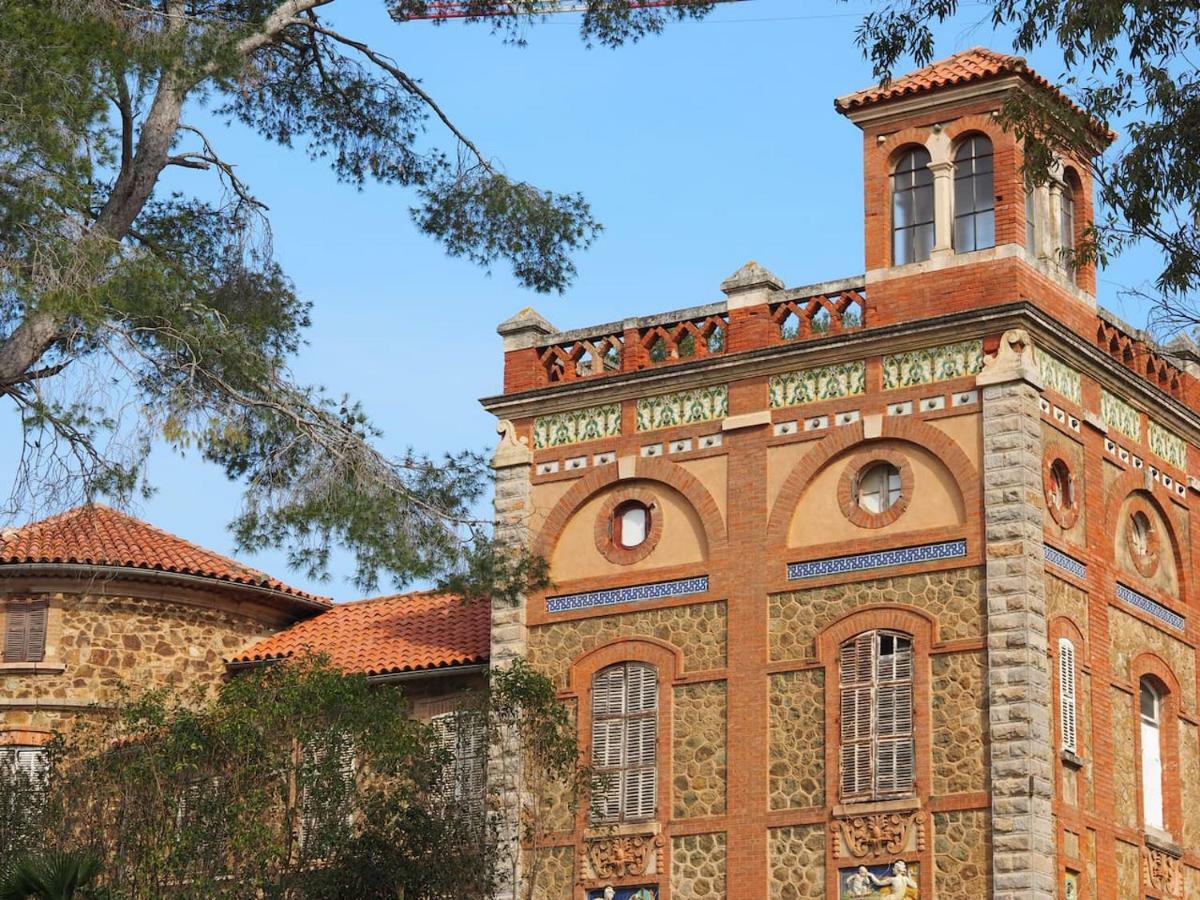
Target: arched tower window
x: 912, y: 208
x: 974, y: 196
x: 877, y: 754
x: 1066, y: 222
x: 1151, y: 707
x: 625, y: 743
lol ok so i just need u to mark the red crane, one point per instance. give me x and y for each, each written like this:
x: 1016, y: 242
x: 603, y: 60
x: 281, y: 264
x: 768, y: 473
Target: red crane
x: 449, y: 9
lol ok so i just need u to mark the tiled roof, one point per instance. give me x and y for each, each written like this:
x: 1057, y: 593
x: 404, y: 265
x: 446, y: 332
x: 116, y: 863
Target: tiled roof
x: 384, y: 635
x: 970, y: 66
x: 97, y: 535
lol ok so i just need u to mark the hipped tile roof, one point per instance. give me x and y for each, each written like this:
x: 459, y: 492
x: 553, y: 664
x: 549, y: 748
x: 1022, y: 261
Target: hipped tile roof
x: 970, y: 66
x: 387, y: 635
x: 97, y: 535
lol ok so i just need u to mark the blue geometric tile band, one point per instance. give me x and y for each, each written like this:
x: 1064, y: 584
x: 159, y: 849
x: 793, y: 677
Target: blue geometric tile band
x: 838, y: 565
x: 1068, y: 564
x: 680, y: 588
x: 1145, y: 604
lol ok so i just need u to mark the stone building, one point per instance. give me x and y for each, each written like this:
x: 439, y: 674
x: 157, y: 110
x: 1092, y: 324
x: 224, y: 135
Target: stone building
x: 94, y: 602
x: 877, y: 587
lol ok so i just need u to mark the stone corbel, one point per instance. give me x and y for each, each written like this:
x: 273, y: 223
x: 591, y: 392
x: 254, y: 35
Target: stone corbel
x: 1013, y: 362
x: 619, y: 855
x: 879, y: 834
x: 511, y: 450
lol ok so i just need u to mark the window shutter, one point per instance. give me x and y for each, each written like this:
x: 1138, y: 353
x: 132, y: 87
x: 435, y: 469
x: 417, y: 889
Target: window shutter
x: 641, y: 790
x: 35, y: 631
x: 855, y: 666
x: 625, y: 742
x: 1066, y: 695
x: 16, y: 631
x: 894, y: 749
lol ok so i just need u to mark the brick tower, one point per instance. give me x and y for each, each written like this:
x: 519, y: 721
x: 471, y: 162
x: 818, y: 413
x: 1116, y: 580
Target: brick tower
x: 879, y: 586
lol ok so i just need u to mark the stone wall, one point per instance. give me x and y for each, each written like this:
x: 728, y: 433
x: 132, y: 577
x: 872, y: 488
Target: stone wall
x: 1124, y: 774
x: 955, y: 597
x: 1064, y: 599
x: 962, y: 856
x: 796, y: 856
x: 107, y: 642
x: 553, y: 871
x: 698, y: 629
x: 1128, y: 870
x: 1189, y: 778
x: 1130, y: 636
x: 698, y: 867
x: 797, y: 739
x: 699, y: 748
x: 959, y: 723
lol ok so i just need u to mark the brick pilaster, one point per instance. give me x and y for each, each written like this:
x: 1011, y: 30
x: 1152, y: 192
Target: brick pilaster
x: 1022, y: 754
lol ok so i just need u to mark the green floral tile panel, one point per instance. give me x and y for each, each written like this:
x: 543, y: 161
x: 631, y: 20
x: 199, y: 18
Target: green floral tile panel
x: 1169, y: 446
x: 811, y: 385
x: 1120, y: 415
x: 683, y: 408
x: 932, y: 364
x: 1058, y: 376
x: 577, y: 425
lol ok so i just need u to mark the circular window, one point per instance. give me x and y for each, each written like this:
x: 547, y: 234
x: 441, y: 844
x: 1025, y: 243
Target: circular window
x: 1059, y: 487
x: 631, y: 524
x: 878, y: 488
x: 1142, y: 538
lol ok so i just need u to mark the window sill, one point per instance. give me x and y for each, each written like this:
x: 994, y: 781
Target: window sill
x: 1074, y: 760
x: 599, y: 831
x: 32, y: 668
x: 864, y: 807
x: 1162, y: 840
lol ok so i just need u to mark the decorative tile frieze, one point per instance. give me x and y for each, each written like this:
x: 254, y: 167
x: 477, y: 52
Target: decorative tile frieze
x: 613, y: 596
x: 1058, y: 376
x: 824, y: 383
x: 683, y: 408
x: 1068, y: 564
x: 577, y: 425
x: 1167, y: 445
x: 838, y: 565
x: 1120, y: 415
x: 1146, y: 605
x: 932, y: 364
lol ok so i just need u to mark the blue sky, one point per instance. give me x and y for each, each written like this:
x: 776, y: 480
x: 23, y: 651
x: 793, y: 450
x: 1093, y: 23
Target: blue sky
x: 711, y: 144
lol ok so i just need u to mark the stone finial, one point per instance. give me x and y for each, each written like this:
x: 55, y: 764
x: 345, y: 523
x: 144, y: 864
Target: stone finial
x: 1013, y: 361
x: 511, y: 450
x: 750, y: 286
x: 525, y: 329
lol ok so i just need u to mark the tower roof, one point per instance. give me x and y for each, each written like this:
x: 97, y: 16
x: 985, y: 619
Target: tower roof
x: 387, y: 635
x: 977, y: 65
x: 97, y: 535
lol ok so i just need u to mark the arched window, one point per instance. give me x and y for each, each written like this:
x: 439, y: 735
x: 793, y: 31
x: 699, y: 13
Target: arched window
x: 912, y: 208
x: 1030, y: 219
x: 1066, y: 223
x: 631, y: 524
x: 974, y: 197
x: 877, y: 755
x: 625, y: 743
x: 1067, y: 728
x: 1151, y: 705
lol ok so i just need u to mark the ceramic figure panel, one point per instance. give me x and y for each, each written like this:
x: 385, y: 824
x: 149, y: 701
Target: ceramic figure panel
x: 683, y: 407
x: 624, y: 893
x: 932, y: 364
x: 576, y: 426
x: 1120, y: 415
x: 1168, y: 445
x: 824, y: 383
x: 891, y: 881
x: 1058, y: 376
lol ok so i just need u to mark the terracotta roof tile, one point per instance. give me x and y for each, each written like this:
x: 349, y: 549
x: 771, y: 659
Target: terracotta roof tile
x: 97, y: 535
x: 383, y: 635
x: 970, y: 66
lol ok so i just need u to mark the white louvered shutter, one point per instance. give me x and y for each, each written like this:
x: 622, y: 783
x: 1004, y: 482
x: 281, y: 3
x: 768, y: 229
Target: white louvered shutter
x: 1066, y: 695
x: 608, y: 741
x: 855, y: 665
x: 894, y: 750
x: 16, y: 616
x: 625, y: 743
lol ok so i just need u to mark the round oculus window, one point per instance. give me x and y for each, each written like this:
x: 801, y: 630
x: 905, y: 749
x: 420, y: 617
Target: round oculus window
x: 1141, y: 539
x: 878, y: 487
x: 1061, y: 486
x: 631, y: 524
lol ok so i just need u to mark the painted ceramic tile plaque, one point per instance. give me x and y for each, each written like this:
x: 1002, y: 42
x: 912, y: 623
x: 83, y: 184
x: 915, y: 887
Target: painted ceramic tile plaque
x: 624, y: 893
x: 891, y: 881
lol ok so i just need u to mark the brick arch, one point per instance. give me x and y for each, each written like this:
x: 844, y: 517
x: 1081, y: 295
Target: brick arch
x: 976, y: 124
x: 912, y: 620
x: 664, y: 656
x: 900, y: 428
x: 1147, y: 662
x: 1134, y: 482
x: 648, y: 469
x: 1066, y: 627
